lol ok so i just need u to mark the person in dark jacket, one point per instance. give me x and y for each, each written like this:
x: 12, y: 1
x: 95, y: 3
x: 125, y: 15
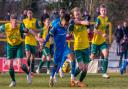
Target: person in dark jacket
x: 124, y: 45
x: 118, y: 36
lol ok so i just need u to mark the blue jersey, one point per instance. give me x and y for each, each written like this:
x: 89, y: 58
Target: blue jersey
x: 59, y: 35
x: 56, y: 21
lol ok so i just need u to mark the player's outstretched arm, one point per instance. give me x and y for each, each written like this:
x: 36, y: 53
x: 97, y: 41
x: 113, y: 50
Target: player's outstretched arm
x: 46, y: 40
x: 52, y: 32
x: 82, y: 22
x: 2, y: 28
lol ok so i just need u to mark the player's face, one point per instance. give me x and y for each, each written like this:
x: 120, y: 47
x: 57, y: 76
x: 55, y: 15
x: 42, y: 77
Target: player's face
x: 125, y: 24
x: 64, y: 23
x: 119, y: 27
x: 29, y: 14
x: 103, y: 11
x: 77, y: 14
x: 25, y: 12
x: 47, y: 22
x: 13, y: 22
x: 62, y: 13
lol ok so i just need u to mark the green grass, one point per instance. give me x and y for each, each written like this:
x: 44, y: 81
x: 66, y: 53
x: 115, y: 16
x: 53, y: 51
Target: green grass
x: 95, y: 81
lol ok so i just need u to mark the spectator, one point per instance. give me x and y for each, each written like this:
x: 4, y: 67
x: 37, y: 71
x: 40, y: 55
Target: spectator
x: 23, y: 15
x: 118, y: 36
x: 86, y: 15
x: 97, y: 13
x: 125, y: 28
x: 7, y: 17
x: 45, y: 14
x: 124, y: 43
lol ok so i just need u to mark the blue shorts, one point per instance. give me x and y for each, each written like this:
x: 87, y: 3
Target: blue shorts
x: 60, y: 56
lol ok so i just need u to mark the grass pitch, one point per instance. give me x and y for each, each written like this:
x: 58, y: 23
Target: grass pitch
x: 95, y: 81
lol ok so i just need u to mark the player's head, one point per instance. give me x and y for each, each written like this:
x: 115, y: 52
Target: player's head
x: 76, y: 13
x: 125, y: 24
x: 65, y: 20
x: 46, y: 20
x: 13, y: 19
x: 62, y: 12
x: 45, y: 11
x: 25, y: 12
x: 118, y: 26
x: 29, y: 14
x: 8, y: 13
x: 103, y: 10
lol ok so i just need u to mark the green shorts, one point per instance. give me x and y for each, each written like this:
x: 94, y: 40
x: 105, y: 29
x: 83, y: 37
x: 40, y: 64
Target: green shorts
x: 82, y: 55
x: 14, y: 51
x: 95, y: 48
x: 46, y: 51
x: 30, y: 48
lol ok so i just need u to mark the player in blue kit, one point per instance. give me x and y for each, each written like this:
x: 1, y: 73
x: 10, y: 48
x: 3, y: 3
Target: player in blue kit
x: 68, y: 53
x: 58, y: 32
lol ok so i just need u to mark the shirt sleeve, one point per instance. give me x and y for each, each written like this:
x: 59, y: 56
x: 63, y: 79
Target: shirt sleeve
x: 71, y: 26
x: 22, y: 27
x: 97, y: 23
x: 2, y: 28
x: 38, y: 24
x: 40, y: 34
x: 52, y: 31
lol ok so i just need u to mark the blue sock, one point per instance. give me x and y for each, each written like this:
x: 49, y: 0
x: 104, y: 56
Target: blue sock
x: 73, y: 67
x: 54, y: 69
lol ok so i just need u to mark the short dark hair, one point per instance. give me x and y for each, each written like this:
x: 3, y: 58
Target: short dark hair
x: 44, y: 17
x: 63, y: 9
x: 66, y: 17
x: 29, y: 9
x: 102, y: 6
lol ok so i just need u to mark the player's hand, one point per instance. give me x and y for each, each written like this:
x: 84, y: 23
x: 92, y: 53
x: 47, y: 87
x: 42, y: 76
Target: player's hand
x: 105, y: 36
x: 97, y: 32
x: 26, y: 30
x: 87, y: 22
x: 81, y: 22
x: 76, y: 21
x: 41, y: 47
x: 26, y: 34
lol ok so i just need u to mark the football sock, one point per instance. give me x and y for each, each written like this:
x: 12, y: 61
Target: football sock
x: 41, y: 64
x: 32, y: 65
x: 73, y: 67
x: 104, y: 65
x: 77, y: 71
x: 12, y: 73
x: 28, y: 62
x: 24, y: 68
x: 48, y: 64
x: 82, y: 76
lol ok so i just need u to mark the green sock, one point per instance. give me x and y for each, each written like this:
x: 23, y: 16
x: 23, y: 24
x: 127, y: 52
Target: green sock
x: 104, y: 65
x: 120, y: 62
x: 12, y: 74
x: 28, y: 62
x: 77, y: 71
x: 41, y: 64
x: 24, y: 68
x: 32, y: 65
x: 48, y: 64
x: 82, y: 76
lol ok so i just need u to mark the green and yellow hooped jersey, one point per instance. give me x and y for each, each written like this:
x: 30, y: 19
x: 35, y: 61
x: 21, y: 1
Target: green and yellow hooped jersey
x: 81, y: 40
x: 13, y: 35
x: 102, y: 23
x: 30, y: 24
